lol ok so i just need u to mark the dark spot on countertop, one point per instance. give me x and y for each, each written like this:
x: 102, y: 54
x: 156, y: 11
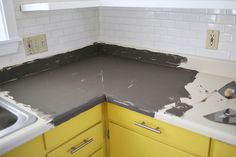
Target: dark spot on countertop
x: 179, y: 109
x: 204, y: 100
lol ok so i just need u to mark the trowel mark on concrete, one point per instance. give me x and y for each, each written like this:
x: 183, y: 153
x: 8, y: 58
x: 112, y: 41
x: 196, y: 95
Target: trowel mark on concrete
x: 102, y: 76
x: 131, y: 83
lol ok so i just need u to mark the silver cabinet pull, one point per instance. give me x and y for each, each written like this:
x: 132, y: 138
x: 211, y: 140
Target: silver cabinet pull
x: 75, y: 149
x: 142, y: 125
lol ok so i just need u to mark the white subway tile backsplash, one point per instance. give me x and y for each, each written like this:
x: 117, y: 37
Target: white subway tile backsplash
x: 233, y: 38
x: 175, y: 30
x: 207, y: 18
x: 175, y: 16
x: 229, y: 46
x: 233, y: 56
x: 160, y: 31
x: 227, y: 38
x: 65, y: 29
x: 26, y: 22
x: 231, y: 11
x: 216, y: 11
x: 27, y: 31
x: 231, y: 29
x: 216, y: 27
x: 42, y: 20
x: 195, y: 26
x: 161, y: 15
x: 190, y: 17
x: 175, y: 24
x: 225, y: 19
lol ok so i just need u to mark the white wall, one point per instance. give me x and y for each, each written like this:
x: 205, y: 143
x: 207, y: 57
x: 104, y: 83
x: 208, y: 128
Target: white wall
x: 174, y: 30
x: 171, y: 30
x: 65, y: 29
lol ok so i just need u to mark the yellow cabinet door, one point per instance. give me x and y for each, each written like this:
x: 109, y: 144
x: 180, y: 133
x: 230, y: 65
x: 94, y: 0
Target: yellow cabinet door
x: 126, y: 143
x: 220, y: 149
x: 33, y: 148
x: 171, y: 135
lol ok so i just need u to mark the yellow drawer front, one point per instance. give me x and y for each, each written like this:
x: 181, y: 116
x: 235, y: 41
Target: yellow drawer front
x: 126, y: 143
x: 177, y: 137
x: 73, y: 127
x: 82, y: 145
x: 33, y: 148
x: 220, y: 149
x: 99, y: 153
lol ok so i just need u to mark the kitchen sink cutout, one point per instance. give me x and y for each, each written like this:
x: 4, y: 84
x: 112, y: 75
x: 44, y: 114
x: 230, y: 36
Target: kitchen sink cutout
x: 13, y: 118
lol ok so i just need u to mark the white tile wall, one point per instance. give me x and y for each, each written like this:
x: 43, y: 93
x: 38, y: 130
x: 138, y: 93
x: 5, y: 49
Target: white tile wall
x: 173, y: 30
x: 65, y: 29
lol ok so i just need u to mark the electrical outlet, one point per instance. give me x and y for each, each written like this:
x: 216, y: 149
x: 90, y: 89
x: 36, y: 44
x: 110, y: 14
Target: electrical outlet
x: 212, y: 39
x: 35, y: 44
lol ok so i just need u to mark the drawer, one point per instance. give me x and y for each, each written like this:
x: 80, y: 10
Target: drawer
x: 185, y: 140
x: 99, y: 153
x: 81, y: 146
x: 73, y: 127
x: 220, y: 149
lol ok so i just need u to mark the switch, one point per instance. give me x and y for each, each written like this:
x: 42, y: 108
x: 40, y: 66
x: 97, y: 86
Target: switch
x: 35, y: 44
x: 212, y: 39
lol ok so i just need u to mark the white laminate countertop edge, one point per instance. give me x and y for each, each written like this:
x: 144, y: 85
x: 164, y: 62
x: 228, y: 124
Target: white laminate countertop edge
x: 201, y: 129
x: 193, y: 119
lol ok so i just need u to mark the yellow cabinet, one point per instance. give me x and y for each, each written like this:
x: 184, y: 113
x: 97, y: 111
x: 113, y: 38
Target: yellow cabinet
x: 81, y: 136
x: 220, y: 149
x: 131, y: 135
x: 99, y: 153
x: 68, y: 130
x: 182, y: 139
x: 83, y: 145
x: 33, y: 148
x: 126, y: 143
x: 65, y: 136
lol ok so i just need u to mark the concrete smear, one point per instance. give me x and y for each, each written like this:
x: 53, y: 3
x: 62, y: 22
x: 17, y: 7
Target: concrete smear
x: 70, y: 87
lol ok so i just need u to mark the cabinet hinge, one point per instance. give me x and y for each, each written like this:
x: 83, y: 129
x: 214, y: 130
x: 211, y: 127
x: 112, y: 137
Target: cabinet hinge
x: 108, y: 133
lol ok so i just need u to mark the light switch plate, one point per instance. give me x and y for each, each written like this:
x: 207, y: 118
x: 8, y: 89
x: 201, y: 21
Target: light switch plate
x: 212, y: 39
x: 35, y: 44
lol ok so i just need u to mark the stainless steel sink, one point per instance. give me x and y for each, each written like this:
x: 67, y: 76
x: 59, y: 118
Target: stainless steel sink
x: 13, y: 118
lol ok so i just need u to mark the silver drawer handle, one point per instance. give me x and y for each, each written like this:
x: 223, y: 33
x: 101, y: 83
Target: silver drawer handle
x: 142, y: 125
x: 75, y: 149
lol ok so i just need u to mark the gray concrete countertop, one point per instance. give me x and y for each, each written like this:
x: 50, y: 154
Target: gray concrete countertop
x: 68, y: 90
x: 172, y: 94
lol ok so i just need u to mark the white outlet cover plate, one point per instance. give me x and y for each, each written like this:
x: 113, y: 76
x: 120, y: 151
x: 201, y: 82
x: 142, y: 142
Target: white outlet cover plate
x: 212, y: 40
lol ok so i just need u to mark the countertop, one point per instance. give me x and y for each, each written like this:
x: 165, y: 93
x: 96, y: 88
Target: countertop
x: 140, y: 86
x: 171, y: 94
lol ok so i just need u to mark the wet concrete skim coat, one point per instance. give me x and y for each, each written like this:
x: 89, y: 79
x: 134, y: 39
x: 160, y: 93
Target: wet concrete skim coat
x: 103, y: 72
x: 144, y: 87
